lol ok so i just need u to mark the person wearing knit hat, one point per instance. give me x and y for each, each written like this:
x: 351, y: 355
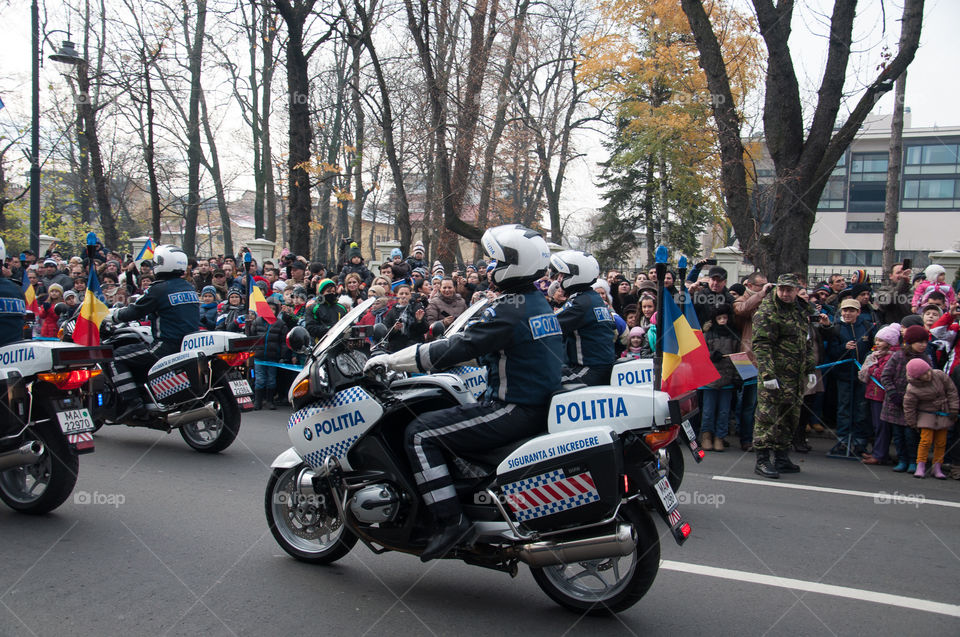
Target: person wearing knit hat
x: 208, y: 307
x: 894, y: 381
x: 437, y: 268
x: 936, y: 279
x: 416, y: 259
x: 886, y: 339
x: 279, y: 286
x: 910, y: 320
x: 356, y: 265
x: 638, y: 347
x: 930, y: 314
x: 930, y: 404
x: 850, y: 339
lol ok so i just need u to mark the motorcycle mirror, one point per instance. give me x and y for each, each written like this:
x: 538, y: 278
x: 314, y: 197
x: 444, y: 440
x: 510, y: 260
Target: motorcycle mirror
x: 298, y: 340
x: 437, y: 328
x: 380, y: 332
x: 60, y: 308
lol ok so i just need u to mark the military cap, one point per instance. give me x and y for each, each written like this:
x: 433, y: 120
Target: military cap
x: 788, y: 281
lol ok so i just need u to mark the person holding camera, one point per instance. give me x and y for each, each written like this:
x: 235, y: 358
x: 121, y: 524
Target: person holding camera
x: 405, y: 319
x: 447, y: 305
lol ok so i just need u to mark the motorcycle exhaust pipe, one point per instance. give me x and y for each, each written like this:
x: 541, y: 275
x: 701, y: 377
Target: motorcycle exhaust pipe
x: 623, y: 541
x: 25, y: 455
x: 179, y: 418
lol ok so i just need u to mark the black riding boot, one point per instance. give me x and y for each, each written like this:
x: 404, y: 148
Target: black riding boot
x: 764, y: 467
x: 257, y: 399
x: 782, y: 462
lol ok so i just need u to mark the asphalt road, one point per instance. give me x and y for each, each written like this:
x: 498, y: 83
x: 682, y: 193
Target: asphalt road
x: 161, y: 540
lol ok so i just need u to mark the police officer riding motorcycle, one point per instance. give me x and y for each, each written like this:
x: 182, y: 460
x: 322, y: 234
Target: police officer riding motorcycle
x: 518, y: 338
x: 174, y: 308
x: 588, y: 328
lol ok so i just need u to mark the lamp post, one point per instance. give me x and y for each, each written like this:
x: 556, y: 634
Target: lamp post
x: 67, y: 55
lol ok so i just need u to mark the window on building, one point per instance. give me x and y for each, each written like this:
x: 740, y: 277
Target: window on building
x: 932, y: 159
x: 834, y: 194
x: 868, y: 197
x: 931, y: 193
x: 864, y: 227
x: 868, y: 167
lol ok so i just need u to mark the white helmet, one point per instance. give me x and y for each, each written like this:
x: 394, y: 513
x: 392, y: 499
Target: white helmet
x: 169, y: 262
x: 3, y: 251
x: 579, y: 269
x: 521, y: 253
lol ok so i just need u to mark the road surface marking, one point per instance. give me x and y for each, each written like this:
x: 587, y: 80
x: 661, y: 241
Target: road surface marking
x: 881, y: 497
x: 913, y: 603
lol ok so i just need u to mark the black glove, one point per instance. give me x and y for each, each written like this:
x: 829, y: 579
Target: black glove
x: 716, y: 357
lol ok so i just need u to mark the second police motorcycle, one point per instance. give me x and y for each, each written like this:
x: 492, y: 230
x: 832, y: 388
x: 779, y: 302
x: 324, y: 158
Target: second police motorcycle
x: 574, y: 503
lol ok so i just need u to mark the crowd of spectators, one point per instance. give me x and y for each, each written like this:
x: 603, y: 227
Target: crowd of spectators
x: 869, y: 341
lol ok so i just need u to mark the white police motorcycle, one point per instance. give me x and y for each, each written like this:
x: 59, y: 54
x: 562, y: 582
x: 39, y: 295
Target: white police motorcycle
x: 573, y: 503
x: 46, y: 423
x: 200, y: 391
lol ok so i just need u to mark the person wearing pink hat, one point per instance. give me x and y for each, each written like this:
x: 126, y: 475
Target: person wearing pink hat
x: 894, y: 380
x: 884, y: 344
x: 930, y: 405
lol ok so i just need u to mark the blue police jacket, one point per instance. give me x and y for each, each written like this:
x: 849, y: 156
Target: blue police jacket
x: 518, y: 339
x: 13, y: 307
x: 588, y: 330
x: 175, y: 304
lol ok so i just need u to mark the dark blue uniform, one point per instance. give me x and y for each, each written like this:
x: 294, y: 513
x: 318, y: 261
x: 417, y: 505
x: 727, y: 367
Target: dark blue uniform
x: 13, y: 307
x: 174, y: 308
x: 588, y: 338
x: 519, y: 341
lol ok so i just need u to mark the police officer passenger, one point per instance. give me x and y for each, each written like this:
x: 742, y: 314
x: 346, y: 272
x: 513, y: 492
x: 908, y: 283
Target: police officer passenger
x: 519, y: 341
x: 13, y: 305
x: 176, y: 306
x: 588, y: 327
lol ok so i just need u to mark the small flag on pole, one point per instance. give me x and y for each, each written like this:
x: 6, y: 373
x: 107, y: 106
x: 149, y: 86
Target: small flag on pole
x: 30, y: 296
x: 92, y: 313
x: 147, y: 251
x: 744, y: 366
x: 686, y: 359
x: 258, y: 303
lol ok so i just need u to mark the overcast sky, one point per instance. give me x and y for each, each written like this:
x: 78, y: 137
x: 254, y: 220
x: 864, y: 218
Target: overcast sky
x: 933, y: 91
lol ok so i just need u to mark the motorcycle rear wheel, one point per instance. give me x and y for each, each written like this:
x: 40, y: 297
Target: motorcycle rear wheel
x: 43, y: 486
x: 304, y: 527
x: 605, y: 586
x: 213, y: 435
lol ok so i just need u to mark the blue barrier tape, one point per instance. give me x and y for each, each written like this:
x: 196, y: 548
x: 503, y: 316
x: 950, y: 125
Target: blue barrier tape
x: 295, y: 368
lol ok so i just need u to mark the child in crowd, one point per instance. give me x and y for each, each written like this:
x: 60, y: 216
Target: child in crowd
x: 270, y: 347
x: 636, y: 347
x: 722, y: 340
x: 208, y: 308
x: 936, y: 279
x: 930, y: 404
x: 894, y: 381
x: 887, y: 339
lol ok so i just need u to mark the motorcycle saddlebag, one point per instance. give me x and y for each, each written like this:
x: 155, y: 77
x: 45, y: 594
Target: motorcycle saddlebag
x: 563, y: 479
x: 174, y: 381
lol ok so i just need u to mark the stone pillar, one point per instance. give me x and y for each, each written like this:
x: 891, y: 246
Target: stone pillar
x: 261, y: 250
x: 949, y: 259
x: 384, y: 248
x: 45, y: 242
x: 730, y: 259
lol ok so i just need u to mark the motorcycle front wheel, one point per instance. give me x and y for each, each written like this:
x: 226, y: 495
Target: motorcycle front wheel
x: 610, y: 585
x: 44, y: 485
x: 214, y: 434
x: 309, y: 528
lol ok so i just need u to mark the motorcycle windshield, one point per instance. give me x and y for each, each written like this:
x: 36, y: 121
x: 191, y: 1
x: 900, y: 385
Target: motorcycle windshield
x: 343, y: 325
x: 468, y: 315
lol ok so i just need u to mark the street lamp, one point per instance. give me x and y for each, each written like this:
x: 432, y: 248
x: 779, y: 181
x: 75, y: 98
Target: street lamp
x: 68, y: 56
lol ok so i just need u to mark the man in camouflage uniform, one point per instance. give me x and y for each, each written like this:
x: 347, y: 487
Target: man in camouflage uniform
x: 785, y: 360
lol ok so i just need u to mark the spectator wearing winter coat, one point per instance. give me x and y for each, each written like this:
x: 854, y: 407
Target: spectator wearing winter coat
x: 936, y: 279
x: 446, y: 306
x: 885, y: 343
x: 208, y: 308
x: 325, y: 313
x: 850, y: 338
x: 722, y: 340
x: 270, y: 347
x: 707, y: 298
x: 637, y: 345
x: 355, y: 264
x: 405, y: 320
x: 757, y: 288
x: 930, y: 405
x: 49, y: 274
x: 73, y: 303
x: 416, y: 260
x: 398, y: 267
x: 354, y: 288
x: 893, y: 299
x: 232, y: 314
x: 894, y: 381
x: 48, y: 314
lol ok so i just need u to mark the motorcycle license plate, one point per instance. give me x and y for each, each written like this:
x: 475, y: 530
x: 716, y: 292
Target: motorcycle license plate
x: 666, y: 495
x: 240, y: 387
x: 75, y: 421
x: 688, y: 429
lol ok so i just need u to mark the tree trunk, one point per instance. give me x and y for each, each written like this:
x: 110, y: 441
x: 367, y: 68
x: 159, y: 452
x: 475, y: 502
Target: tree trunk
x: 266, y: 107
x: 254, y: 39
x: 213, y: 166
x: 194, y: 151
x: 100, y: 186
x: 149, y: 150
x: 892, y: 209
x: 648, y: 215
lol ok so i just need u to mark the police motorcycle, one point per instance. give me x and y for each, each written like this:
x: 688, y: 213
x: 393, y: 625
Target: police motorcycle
x: 47, y: 396
x: 200, y: 391
x: 574, y: 503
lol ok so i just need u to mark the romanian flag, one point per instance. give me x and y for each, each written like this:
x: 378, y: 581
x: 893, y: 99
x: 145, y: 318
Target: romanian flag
x: 30, y: 296
x: 92, y: 313
x: 744, y: 366
x: 686, y: 360
x: 258, y: 303
x: 147, y: 251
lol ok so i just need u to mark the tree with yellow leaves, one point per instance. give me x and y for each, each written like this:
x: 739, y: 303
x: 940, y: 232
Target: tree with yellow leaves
x: 662, y: 175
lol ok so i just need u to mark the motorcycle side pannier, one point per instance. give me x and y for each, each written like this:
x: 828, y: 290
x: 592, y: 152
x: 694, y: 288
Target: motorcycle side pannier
x: 563, y: 479
x: 173, y: 381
